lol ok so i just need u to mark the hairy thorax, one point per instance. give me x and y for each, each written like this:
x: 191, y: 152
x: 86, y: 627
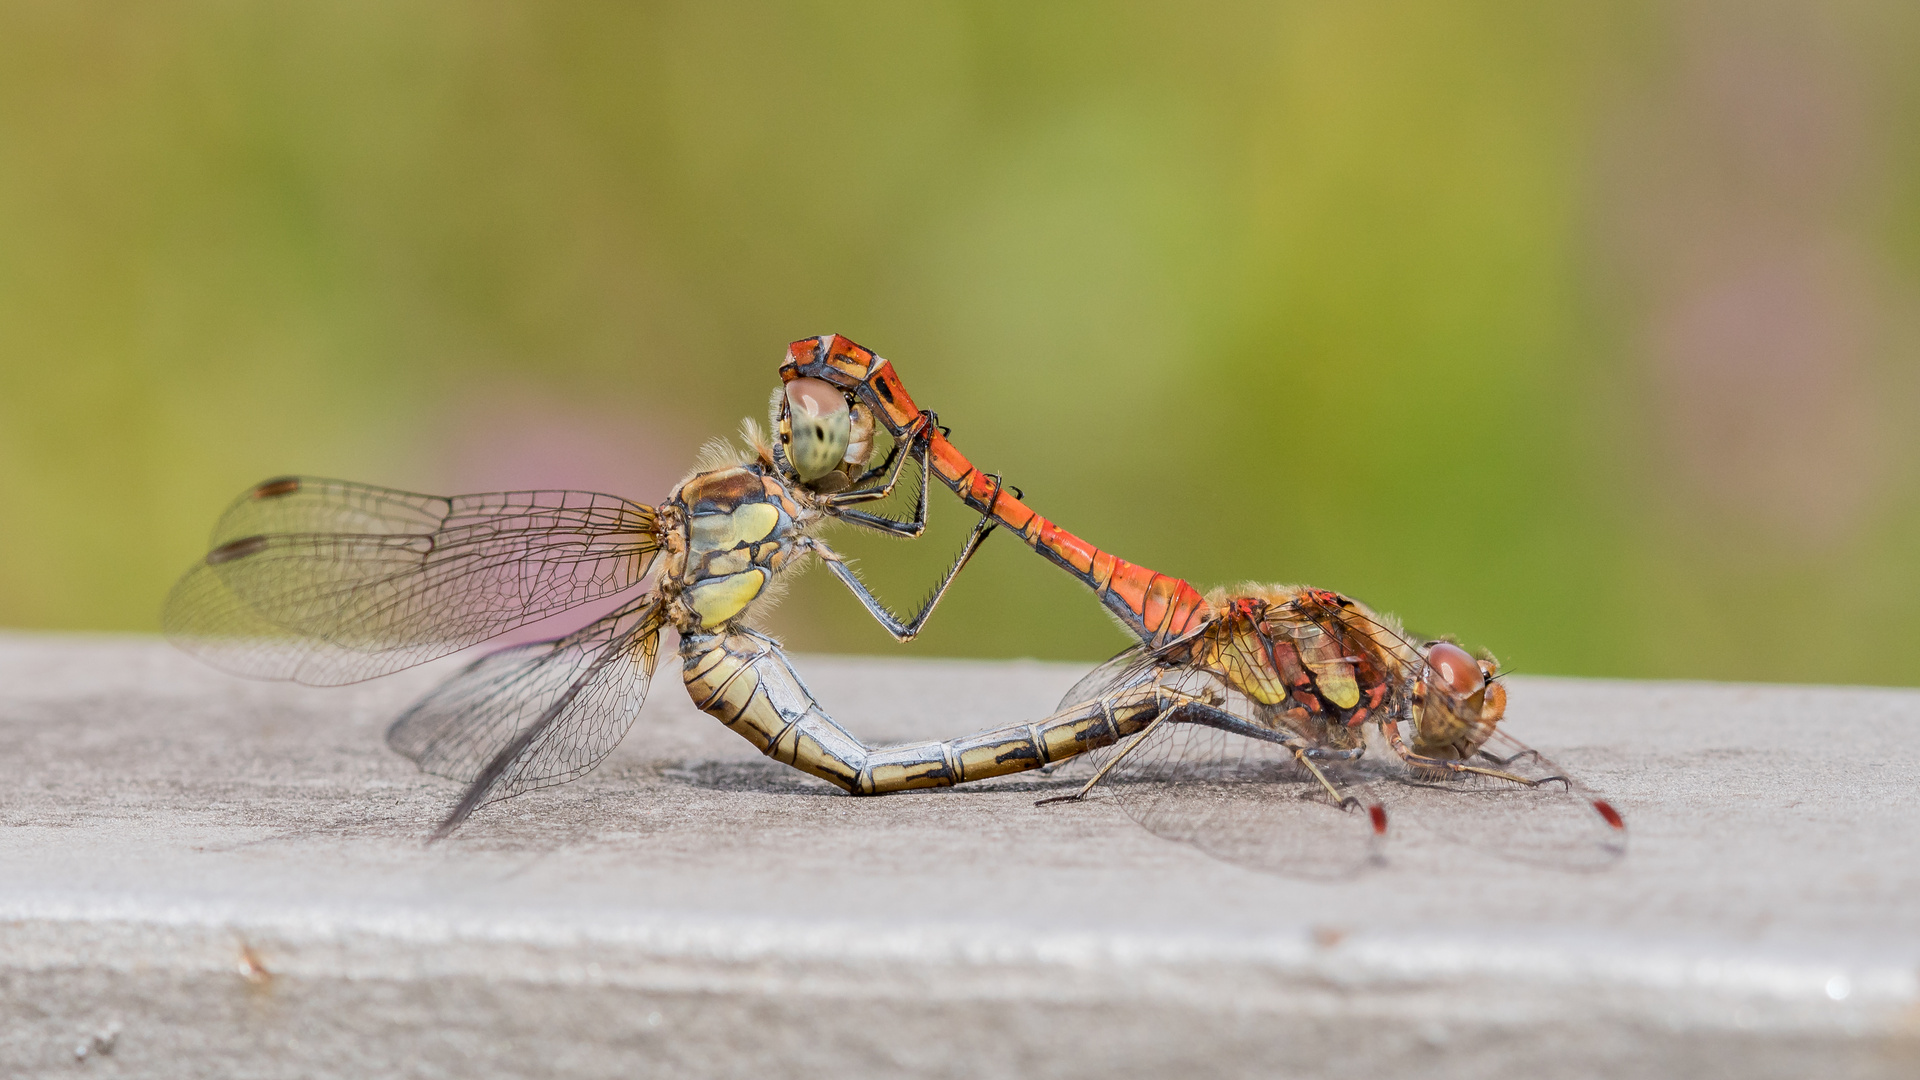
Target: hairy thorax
x: 1309, y: 661
x: 739, y: 527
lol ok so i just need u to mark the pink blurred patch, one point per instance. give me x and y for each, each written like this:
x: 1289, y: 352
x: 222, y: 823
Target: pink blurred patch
x: 520, y: 437
x: 1769, y: 401
x: 1740, y: 182
x: 517, y: 437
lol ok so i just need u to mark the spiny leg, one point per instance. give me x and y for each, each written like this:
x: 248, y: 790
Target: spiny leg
x: 1343, y: 801
x: 911, y: 529
x: 1304, y: 750
x: 900, y: 442
x: 1505, y: 761
x: 909, y: 629
x: 897, y: 462
x: 1456, y: 767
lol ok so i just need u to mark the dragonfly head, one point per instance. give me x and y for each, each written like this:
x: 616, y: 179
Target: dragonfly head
x: 825, y: 437
x: 1460, y: 703
x: 816, y: 424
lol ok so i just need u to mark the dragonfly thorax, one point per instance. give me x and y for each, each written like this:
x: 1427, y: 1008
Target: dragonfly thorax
x: 739, y: 528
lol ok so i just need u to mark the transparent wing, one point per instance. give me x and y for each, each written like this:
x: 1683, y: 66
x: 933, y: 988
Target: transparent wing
x: 1235, y: 792
x: 535, y: 715
x: 1543, y: 817
x: 326, y: 582
x: 1128, y: 668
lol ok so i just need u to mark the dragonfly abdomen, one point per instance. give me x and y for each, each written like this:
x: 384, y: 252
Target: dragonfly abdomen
x: 743, y: 680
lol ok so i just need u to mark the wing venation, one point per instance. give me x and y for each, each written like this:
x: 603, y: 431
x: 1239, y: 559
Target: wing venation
x: 535, y: 715
x: 327, y: 582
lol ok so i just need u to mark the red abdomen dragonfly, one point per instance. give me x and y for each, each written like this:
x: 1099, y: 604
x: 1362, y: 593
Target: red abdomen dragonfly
x: 1278, y: 693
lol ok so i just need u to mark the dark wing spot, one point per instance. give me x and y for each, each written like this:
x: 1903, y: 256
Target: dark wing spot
x: 236, y: 549
x: 273, y: 489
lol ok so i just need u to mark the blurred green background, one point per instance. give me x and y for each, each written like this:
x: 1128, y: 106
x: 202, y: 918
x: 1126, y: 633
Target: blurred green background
x: 1586, y: 331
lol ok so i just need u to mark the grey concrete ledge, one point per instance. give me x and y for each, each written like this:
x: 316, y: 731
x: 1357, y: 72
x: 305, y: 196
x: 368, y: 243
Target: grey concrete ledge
x: 201, y: 876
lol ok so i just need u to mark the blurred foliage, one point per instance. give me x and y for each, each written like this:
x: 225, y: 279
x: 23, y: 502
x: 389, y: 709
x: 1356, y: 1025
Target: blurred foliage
x: 1367, y: 295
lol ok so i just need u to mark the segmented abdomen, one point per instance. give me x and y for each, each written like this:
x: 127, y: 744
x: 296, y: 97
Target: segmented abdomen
x: 744, y: 681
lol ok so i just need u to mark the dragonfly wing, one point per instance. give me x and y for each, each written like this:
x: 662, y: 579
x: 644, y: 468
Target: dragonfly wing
x: 535, y: 715
x: 326, y: 582
x: 1129, y: 667
x: 1550, y: 819
x: 1242, y: 799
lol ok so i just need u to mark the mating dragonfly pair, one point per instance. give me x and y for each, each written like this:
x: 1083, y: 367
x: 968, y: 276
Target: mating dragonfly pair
x: 1271, y: 726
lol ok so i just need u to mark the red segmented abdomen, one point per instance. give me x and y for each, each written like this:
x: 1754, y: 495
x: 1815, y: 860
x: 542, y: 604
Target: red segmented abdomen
x: 1157, y: 608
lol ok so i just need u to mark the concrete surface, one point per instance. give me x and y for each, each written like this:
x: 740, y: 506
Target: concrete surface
x: 201, y: 876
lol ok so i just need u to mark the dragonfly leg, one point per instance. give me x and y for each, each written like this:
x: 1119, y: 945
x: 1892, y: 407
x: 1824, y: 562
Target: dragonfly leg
x: 1304, y: 750
x: 901, y: 440
x: 908, y: 530
x: 896, y: 462
x: 1457, y: 767
x: 1340, y: 798
x: 911, y: 529
x: 901, y: 630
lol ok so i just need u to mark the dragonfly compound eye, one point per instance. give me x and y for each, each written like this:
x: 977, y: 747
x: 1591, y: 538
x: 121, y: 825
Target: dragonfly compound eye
x: 822, y: 425
x: 1455, y: 670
